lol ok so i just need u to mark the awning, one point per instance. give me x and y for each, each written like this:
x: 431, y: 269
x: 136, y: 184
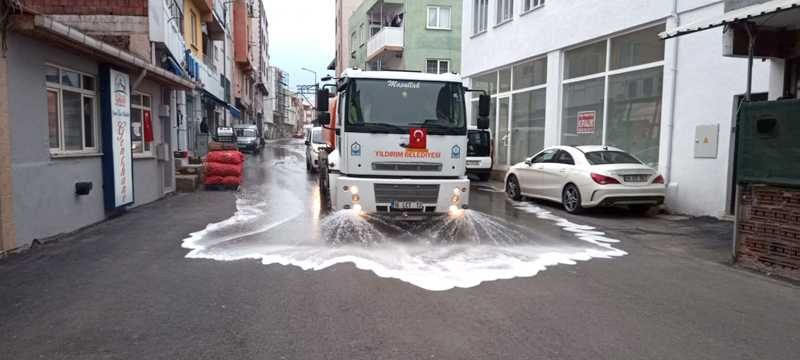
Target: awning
x: 234, y: 111
x: 771, y: 13
x: 45, y: 27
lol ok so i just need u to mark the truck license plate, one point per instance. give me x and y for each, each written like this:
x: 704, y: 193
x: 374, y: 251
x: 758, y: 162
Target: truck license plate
x: 473, y: 162
x: 406, y: 205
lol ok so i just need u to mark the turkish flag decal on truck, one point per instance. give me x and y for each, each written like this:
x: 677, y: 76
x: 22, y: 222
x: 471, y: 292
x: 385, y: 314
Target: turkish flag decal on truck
x: 418, y: 138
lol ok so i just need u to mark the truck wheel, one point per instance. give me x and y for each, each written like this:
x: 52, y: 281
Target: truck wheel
x: 512, y: 188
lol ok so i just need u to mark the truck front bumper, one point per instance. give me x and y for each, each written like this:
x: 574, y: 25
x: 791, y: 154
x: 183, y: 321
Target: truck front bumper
x: 385, y: 195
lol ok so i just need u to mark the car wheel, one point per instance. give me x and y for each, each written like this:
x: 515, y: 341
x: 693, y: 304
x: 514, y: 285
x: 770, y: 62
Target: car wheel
x: 512, y: 188
x: 484, y: 177
x: 571, y: 199
x: 308, y: 165
x: 639, y: 209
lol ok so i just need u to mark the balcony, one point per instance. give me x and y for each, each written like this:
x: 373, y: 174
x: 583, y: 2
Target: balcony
x: 212, y: 81
x: 388, y: 39
x: 166, y: 23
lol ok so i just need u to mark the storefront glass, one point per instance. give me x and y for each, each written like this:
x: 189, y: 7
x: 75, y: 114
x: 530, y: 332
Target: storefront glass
x: 587, y: 60
x: 634, y: 113
x: 527, y: 124
x: 585, y: 100
x: 503, y: 140
x: 530, y: 73
x: 641, y: 47
x: 486, y: 83
x: 505, y: 80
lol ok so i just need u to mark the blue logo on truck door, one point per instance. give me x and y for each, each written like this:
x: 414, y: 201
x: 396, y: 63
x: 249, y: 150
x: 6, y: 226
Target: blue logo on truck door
x: 455, y: 152
x: 355, y: 149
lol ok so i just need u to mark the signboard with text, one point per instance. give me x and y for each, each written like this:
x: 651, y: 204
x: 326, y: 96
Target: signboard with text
x: 586, y: 122
x: 117, y: 153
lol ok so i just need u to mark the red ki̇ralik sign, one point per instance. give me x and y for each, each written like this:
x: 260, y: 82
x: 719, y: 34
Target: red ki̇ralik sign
x: 586, y: 122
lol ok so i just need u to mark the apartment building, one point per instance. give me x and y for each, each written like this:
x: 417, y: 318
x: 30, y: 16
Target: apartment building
x: 596, y: 72
x: 420, y: 35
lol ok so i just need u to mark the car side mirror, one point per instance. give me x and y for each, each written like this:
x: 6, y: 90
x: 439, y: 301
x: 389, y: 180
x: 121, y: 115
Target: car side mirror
x: 324, y: 119
x: 528, y: 162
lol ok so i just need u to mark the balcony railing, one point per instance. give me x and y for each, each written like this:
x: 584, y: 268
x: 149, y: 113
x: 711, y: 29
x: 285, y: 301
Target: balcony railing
x: 387, y: 39
x: 211, y: 81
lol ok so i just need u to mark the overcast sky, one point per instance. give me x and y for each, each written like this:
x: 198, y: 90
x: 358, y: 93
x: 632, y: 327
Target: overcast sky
x: 301, y: 34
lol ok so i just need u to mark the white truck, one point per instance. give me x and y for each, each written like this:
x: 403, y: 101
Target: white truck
x: 398, y: 143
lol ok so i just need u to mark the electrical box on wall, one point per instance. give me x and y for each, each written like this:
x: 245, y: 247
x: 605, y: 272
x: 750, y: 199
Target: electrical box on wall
x: 706, y: 139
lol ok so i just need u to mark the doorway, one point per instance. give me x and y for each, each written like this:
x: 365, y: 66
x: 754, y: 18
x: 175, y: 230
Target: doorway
x: 167, y: 165
x: 737, y: 102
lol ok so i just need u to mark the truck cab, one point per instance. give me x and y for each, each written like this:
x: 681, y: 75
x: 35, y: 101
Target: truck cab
x: 400, y: 143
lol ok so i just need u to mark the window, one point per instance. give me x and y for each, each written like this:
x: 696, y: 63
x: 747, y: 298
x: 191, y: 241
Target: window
x: 71, y: 110
x: 140, y: 114
x: 361, y: 36
x: 435, y: 66
x: 505, y: 10
x: 528, y: 5
x: 480, y: 9
x: 486, y: 83
x: 193, y: 30
x: 527, y: 124
x: 530, y: 73
x: 544, y: 157
x: 564, y: 157
x: 612, y: 93
x: 610, y: 157
x: 438, y: 17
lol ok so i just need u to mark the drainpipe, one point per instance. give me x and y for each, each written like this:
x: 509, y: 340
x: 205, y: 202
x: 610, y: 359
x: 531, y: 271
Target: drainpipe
x: 672, y: 67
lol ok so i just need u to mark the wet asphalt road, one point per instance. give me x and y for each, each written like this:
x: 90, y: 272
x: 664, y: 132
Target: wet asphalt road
x: 125, y: 289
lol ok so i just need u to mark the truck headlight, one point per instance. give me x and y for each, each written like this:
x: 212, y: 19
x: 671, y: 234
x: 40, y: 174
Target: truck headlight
x: 356, y: 198
x: 354, y: 189
x: 455, y: 199
x: 357, y: 208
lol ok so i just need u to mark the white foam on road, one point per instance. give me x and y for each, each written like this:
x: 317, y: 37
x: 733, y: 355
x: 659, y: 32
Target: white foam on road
x: 452, y: 254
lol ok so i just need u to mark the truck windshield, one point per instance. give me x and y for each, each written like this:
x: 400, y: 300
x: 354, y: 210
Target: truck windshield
x: 394, y: 106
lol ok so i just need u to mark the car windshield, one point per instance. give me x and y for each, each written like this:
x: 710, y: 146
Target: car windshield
x: 395, y: 106
x: 316, y: 136
x: 245, y: 132
x: 478, y: 143
x: 610, y: 157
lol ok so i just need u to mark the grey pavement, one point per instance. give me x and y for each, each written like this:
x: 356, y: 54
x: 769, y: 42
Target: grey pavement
x: 124, y: 289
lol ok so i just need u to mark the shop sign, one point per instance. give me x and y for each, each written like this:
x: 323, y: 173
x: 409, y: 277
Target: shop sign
x: 586, y: 122
x: 117, y: 151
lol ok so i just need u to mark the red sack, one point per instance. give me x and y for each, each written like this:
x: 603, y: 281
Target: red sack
x: 220, y: 169
x: 225, y: 157
x: 213, y: 180
x: 231, y: 180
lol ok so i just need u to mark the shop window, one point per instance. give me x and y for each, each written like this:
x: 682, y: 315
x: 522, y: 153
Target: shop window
x: 503, y: 138
x: 486, y: 83
x: 71, y: 110
x: 583, y: 100
x: 530, y: 73
x: 436, y: 66
x: 140, y: 115
x: 527, y: 124
x: 438, y: 17
x: 587, y: 60
x: 505, y: 11
x: 637, y: 48
x: 480, y: 10
x: 634, y: 113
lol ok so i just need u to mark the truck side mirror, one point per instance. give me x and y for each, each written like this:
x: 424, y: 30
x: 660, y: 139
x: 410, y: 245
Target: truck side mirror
x: 322, y: 99
x: 483, y: 105
x: 324, y: 119
x: 483, y: 123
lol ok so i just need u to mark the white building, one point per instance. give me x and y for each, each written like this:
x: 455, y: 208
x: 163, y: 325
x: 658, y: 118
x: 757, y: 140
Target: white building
x: 548, y: 63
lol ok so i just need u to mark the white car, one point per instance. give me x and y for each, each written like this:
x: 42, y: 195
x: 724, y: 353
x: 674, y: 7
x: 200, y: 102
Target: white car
x: 314, y: 142
x: 581, y: 177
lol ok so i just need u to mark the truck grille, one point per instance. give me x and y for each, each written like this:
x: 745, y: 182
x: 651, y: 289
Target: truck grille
x: 389, y: 166
x: 386, y: 193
